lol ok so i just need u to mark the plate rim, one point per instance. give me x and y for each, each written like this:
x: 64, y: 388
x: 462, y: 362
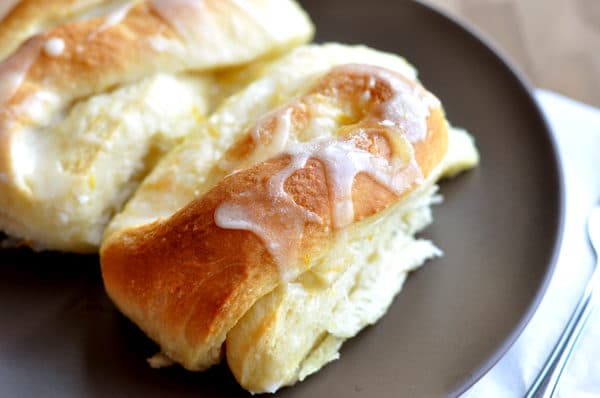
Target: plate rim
x: 526, y: 87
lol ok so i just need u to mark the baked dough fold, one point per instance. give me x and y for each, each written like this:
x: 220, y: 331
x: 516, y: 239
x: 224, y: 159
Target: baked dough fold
x: 88, y: 106
x: 286, y: 223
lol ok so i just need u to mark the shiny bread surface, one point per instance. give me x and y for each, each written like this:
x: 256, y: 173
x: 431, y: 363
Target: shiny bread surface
x: 188, y: 278
x: 74, y: 141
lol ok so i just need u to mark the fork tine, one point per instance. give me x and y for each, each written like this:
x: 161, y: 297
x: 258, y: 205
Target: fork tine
x: 546, y: 382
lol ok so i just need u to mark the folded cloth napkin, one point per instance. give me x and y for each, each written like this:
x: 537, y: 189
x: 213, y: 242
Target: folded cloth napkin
x: 576, y: 129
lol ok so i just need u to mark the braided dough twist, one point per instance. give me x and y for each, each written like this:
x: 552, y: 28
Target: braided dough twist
x: 187, y: 280
x: 60, y: 194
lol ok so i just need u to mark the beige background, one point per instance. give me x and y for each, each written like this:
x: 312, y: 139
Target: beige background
x: 556, y: 43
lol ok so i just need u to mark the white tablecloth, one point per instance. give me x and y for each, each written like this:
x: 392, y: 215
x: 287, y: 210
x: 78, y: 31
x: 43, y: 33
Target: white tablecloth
x: 576, y: 128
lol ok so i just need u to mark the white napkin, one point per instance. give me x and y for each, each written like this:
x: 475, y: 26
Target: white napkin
x: 576, y: 128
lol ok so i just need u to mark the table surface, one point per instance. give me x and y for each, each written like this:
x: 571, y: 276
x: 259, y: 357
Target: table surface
x: 556, y: 43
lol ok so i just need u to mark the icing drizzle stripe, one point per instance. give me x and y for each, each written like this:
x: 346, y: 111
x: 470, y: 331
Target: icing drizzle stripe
x: 390, y: 106
x: 185, y: 16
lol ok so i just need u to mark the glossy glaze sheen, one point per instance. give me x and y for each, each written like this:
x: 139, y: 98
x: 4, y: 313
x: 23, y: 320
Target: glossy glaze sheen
x: 498, y: 228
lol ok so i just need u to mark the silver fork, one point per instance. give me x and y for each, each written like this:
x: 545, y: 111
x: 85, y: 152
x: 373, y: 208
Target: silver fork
x: 547, y: 380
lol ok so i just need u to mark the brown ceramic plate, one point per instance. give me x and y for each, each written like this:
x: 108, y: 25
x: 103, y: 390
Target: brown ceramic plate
x: 499, y: 226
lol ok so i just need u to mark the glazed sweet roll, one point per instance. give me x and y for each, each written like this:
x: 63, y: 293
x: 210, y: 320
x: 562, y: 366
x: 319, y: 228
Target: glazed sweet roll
x: 295, y: 229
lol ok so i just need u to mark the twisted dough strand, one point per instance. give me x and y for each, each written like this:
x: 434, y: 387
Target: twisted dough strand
x: 186, y: 281
x: 74, y: 61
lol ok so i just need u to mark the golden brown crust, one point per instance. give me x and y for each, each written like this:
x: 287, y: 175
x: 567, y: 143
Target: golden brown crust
x: 115, y: 56
x: 186, y: 281
x: 112, y: 56
x: 26, y: 18
x: 95, y: 59
x: 52, y: 70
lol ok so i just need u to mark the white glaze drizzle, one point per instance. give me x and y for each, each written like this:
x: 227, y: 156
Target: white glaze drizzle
x: 272, y: 214
x: 272, y: 217
x: 54, y: 46
x: 343, y: 162
x: 407, y: 110
x: 279, y: 222
x: 116, y: 16
x: 277, y: 141
x: 111, y: 19
x: 279, y: 137
x: 182, y: 15
x: 14, y: 69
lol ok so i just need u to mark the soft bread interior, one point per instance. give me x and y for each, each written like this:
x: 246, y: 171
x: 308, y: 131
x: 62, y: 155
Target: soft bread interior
x: 94, y: 154
x: 73, y: 168
x: 300, y: 326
